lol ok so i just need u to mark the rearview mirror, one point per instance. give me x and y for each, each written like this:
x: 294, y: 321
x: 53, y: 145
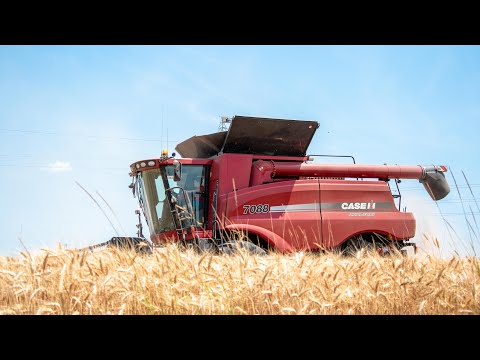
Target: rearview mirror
x: 132, y: 185
x: 177, y: 170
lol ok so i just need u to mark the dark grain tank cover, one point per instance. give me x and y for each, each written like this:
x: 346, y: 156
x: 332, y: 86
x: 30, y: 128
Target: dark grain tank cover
x: 254, y: 135
x: 203, y: 147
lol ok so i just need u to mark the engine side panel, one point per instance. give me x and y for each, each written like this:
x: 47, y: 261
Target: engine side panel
x: 316, y: 213
x: 352, y: 207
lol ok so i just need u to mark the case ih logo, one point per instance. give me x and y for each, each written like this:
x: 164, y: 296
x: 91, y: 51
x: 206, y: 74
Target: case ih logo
x: 358, y: 206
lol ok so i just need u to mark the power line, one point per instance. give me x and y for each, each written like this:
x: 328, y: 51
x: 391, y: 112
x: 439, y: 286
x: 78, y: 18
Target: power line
x: 127, y: 168
x: 421, y: 188
x: 19, y: 155
x: 450, y: 214
x: 39, y: 132
x: 453, y: 201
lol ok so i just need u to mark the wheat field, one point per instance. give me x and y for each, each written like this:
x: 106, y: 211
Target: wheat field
x: 176, y: 281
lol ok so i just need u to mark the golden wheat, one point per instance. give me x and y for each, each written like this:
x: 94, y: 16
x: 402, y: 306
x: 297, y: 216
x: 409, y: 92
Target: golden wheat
x: 175, y: 281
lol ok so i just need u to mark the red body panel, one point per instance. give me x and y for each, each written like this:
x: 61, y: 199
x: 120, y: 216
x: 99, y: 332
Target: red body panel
x: 232, y: 171
x: 299, y: 227
x: 316, y: 214
x: 354, y: 207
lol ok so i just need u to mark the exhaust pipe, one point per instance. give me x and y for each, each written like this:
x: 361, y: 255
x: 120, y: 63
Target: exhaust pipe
x: 434, y: 182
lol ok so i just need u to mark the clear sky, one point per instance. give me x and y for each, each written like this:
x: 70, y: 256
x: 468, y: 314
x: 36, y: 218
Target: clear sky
x: 84, y: 113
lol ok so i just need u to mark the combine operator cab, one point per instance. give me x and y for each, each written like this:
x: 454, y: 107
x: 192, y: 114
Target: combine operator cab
x: 172, y: 196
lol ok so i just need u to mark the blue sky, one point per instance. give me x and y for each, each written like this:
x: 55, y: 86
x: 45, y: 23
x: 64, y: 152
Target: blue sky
x: 84, y: 113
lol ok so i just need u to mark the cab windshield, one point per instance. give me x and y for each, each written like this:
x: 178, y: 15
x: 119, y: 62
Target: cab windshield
x: 152, y: 185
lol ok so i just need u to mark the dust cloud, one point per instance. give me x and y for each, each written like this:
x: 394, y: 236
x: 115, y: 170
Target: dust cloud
x: 432, y: 236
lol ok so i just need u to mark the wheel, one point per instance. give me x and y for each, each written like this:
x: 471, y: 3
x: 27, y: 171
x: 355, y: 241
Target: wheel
x: 200, y: 245
x: 367, y: 243
x: 232, y: 247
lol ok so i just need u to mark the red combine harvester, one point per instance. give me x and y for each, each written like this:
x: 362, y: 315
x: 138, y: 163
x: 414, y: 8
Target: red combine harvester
x: 255, y: 187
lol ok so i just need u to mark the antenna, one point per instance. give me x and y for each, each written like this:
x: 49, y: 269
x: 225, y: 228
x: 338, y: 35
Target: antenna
x: 161, y: 136
x: 223, y: 123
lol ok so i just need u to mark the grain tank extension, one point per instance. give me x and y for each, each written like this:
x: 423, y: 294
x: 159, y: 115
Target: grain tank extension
x: 255, y: 186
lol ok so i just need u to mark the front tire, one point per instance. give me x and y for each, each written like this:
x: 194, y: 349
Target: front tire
x: 233, y: 247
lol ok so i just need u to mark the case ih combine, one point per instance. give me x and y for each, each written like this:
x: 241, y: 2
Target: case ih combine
x: 254, y: 186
